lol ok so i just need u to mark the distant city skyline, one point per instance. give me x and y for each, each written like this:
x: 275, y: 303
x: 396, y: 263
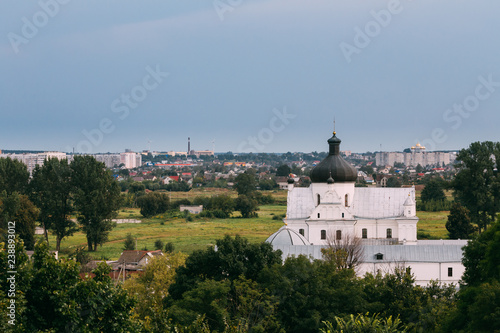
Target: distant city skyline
x: 255, y: 75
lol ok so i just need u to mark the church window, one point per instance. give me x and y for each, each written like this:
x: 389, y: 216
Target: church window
x: 347, y: 200
x: 319, y: 199
x: 450, y: 271
x: 364, y: 233
x: 338, y: 234
x: 301, y: 231
x: 318, y: 215
x: 389, y: 233
x: 379, y: 256
x: 323, y: 234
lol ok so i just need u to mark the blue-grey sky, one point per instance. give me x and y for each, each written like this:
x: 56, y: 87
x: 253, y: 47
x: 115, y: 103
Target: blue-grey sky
x: 255, y: 75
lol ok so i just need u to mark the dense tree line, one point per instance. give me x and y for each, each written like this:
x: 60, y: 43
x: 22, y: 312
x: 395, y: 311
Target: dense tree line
x: 56, y: 191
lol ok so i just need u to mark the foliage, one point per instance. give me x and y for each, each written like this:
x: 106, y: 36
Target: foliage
x: 14, y: 176
x: 433, y: 191
x: 51, y: 192
x: 459, y: 225
x: 153, y: 203
x: 244, y: 184
x: 169, y: 247
x: 151, y: 288
x: 18, y: 208
x: 283, y: 170
x: 344, y: 253
x: 311, y: 291
x: 365, y: 323
x: 481, y: 257
x: 129, y: 243
x: 434, y: 206
x: 246, y: 205
x: 96, y: 198
x: 159, y: 244
x: 232, y: 258
x: 394, y: 182
x: 477, y: 183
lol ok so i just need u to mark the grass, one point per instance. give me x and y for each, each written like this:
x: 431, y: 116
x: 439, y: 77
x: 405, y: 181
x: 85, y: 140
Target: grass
x: 190, y: 236
x: 433, y: 223
x: 186, y: 236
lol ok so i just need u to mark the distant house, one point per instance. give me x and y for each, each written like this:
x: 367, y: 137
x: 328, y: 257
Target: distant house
x: 192, y: 209
x: 134, y: 260
x: 168, y: 179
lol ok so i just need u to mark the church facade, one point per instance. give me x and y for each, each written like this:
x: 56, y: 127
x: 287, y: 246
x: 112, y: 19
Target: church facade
x: 332, y: 209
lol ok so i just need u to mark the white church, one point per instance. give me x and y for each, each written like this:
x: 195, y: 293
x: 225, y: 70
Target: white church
x: 384, y: 219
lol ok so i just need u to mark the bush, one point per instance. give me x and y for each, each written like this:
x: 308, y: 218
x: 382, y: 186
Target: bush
x: 129, y: 243
x: 434, y: 206
x: 158, y: 244
x: 169, y: 247
x: 153, y: 204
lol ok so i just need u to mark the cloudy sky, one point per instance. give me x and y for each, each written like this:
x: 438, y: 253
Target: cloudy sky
x: 253, y: 75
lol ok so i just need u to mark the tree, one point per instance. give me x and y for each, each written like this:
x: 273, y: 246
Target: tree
x: 151, y: 289
x: 129, y: 243
x: 433, y: 191
x: 393, y: 182
x: 231, y: 258
x: 25, y: 218
x: 345, y: 252
x: 51, y: 192
x: 283, y: 171
x: 419, y: 168
x: 477, y: 183
x: 365, y: 323
x: 14, y: 176
x: 246, y: 205
x: 244, y: 183
x: 459, y: 225
x: 153, y: 204
x: 96, y: 197
x: 19, y: 209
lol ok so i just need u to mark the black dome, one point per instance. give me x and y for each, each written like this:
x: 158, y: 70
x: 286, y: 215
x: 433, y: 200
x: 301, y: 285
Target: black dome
x: 334, y: 166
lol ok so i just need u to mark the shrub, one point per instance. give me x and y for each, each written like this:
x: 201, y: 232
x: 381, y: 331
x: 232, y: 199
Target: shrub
x: 129, y: 243
x: 158, y: 244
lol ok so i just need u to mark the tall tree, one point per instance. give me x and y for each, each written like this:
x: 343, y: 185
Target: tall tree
x: 433, y: 191
x: 245, y: 183
x: 283, y: 170
x: 96, y: 197
x: 19, y: 209
x: 246, y: 205
x: 14, y: 176
x: 51, y: 192
x: 459, y: 224
x: 477, y: 183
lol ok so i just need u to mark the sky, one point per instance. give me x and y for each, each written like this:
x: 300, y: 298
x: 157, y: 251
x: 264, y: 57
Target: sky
x: 248, y: 75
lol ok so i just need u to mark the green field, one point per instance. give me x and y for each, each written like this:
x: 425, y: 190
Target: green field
x: 186, y: 236
x: 190, y: 236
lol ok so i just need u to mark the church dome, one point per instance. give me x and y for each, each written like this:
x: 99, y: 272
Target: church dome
x: 285, y: 236
x: 334, y: 166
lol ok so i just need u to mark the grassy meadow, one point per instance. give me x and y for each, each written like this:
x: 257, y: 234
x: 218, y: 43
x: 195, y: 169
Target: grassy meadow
x: 190, y: 236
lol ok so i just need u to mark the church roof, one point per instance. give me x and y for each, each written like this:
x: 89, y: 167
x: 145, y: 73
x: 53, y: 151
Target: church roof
x: 334, y: 166
x: 380, y: 202
x: 286, y: 236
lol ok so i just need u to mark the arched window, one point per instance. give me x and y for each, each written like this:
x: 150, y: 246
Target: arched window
x: 319, y: 199
x: 323, y: 234
x: 364, y: 233
x: 389, y: 233
x: 347, y: 200
x: 338, y: 234
x: 342, y: 215
x: 318, y: 215
x: 301, y: 231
